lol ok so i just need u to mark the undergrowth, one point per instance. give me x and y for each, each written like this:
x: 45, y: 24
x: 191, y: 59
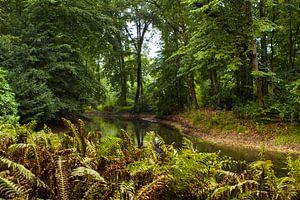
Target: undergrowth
x: 73, y: 165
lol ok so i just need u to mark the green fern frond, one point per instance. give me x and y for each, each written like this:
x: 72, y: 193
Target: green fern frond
x: 155, y: 188
x: 109, y: 146
x: 79, y: 139
x: 228, y: 174
x: 6, y: 139
x: 18, y: 147
x: 125, y: 191
x: 22, y: 172
x: 91, y: 163
x: 62, y: 179
x: 9, y: 189
x: 91, y: 150
x: 231, y: 191
x: 188, y: 144
x: 87, y: 172
x: 155, y: 146
x: 143, y: 167
x: 286, y: 188
x: 94, y: 188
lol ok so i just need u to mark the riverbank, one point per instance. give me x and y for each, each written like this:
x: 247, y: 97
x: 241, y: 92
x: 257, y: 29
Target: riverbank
x: 224, y: 128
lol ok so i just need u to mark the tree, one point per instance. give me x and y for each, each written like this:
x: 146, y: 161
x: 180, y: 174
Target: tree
x: 52, y: 78
x: 140, y: 17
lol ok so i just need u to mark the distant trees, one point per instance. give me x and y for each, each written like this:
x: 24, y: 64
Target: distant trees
x: 45, y: 56
x: 241, y: 55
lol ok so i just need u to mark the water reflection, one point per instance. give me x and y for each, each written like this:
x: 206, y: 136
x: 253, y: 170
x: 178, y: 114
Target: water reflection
x: 137, y: 129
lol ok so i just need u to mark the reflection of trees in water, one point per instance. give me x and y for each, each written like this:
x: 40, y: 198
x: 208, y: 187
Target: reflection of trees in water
x: 140, y: 129
x: 136, y: 128
x: 170, y: 135
x: 123, y: 126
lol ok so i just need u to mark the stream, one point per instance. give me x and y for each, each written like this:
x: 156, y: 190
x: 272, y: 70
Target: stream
x: 137, y: 129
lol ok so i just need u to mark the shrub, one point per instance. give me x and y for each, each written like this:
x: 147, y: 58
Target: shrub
x: 8, y: 105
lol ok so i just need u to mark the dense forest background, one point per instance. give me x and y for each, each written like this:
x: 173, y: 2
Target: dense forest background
x: 61, y: 57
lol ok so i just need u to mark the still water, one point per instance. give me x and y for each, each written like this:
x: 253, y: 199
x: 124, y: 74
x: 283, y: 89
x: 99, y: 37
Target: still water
x: 137, y: 129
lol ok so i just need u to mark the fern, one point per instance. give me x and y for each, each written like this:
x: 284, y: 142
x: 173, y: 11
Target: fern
x: 26, y: 147
x: 143, y: 167
x: 269, y: 186
x: 285, y: 188
x: 78, y: 135
x: 62, y: 179
x: 125, y: 191
x: 6, y: 139
x: 188, y: 144
x: 155, y: 188
x: 9, y: 189
x: 155, y: 147
x: 128, y: 147
x: 231, y: 191
x: 90, y: 173
x: 22, y: 172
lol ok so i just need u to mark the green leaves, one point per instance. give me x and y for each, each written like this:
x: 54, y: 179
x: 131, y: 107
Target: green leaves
x: 8, y: 105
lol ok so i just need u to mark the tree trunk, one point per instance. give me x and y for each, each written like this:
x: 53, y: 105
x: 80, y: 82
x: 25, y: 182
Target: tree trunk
x: 272, y: 54
x: 290, y: 40
x: 139, y: 79
x: 263, y: 51
x: 123, y: 97
x: 259, y: 90
x: 214, y: 84
x: 193, y: 92
x: 254, y: 58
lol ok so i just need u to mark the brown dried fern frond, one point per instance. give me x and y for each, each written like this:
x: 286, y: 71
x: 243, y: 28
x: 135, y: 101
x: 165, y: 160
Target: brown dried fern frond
x: 62, y: 179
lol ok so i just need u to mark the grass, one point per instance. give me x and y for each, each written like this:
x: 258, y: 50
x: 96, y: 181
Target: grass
x: 226, y: 122
x: 290, y: 136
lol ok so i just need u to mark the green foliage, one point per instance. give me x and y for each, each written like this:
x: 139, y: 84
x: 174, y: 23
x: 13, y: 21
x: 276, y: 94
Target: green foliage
x: 115, y: 168
x: 47, y: 69
x: 294, y: 171
x: 78, y: 135
x: 8, y: 105
x: 110, y: 146
x: 9, y: 189
x: 274, y: 110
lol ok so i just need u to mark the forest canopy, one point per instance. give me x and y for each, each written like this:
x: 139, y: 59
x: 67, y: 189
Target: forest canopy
x: 64, y: 56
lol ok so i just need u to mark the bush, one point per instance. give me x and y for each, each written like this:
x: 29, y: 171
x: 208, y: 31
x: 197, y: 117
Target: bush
x: 8, y: 105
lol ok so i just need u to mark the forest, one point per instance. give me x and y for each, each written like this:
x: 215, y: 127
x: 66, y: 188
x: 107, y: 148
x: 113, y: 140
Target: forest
x: 231, y: 66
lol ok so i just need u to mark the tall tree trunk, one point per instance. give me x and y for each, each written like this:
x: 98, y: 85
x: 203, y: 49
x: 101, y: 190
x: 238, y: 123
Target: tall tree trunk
x: 123, y: 97
x: 254, y: 58
x: 263, y: 50
x: 214, y: 84
x: 272, y: 53
x: 139, y: 79
x: 259, y: 88
x: 290, y: 40
x: 193, y: 92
